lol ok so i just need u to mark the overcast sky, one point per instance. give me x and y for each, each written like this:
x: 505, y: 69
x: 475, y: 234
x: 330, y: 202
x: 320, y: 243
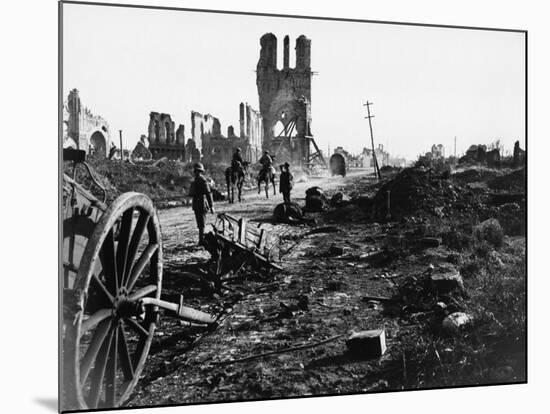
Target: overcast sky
x: 428, y: 84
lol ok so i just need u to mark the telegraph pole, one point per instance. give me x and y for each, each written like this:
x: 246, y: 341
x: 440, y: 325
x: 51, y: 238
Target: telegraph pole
x: 121, y: 153
x: 369, y: 116
x: 455, y: 146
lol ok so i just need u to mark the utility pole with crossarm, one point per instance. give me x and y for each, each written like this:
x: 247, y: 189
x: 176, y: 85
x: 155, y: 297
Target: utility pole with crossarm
x: 369, y: 116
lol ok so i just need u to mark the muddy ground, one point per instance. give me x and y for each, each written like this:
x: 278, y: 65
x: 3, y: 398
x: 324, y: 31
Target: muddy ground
x: 324, y: 292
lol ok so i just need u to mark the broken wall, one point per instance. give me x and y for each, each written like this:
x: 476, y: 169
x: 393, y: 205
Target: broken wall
x: 251, y: 125
x: 84, y: 130
x: 164, y: 141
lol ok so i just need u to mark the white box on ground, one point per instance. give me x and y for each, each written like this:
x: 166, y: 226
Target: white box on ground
x: 367, y: 344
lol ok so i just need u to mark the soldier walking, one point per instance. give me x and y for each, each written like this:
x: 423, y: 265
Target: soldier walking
x: 202, y: 199
x: 286, y: 182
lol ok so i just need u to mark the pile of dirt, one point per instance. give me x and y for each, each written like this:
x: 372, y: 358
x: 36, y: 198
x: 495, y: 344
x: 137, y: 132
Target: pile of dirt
x: 472, y: 175
x: 161, y: 181
x: 419, y: 190
x: 513, y: 182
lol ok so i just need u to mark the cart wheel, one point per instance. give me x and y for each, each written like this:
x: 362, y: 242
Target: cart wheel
x: 106, y: 345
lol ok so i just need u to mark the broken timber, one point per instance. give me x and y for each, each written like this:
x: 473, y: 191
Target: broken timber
x: 239, y: 236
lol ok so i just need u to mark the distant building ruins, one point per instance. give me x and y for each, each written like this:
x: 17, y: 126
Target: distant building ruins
x: 285, y: 101
x: 206, y: 142
x: 83, y: 129
x: 519, y: 155
x: 164, y: 141
x: 438, y: 151
x: 382, y: 156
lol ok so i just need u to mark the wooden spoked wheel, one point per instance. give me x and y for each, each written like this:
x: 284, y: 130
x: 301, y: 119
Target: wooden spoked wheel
x: 107, y: 343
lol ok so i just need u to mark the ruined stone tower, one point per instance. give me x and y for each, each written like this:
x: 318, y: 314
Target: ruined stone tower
x: 285, y: 96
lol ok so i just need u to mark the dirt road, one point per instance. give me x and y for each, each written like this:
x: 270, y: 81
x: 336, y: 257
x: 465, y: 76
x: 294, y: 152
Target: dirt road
x: 178, y: 224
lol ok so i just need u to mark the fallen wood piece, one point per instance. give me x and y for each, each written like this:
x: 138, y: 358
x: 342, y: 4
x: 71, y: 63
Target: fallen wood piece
x: 323, y: 304
x: 193, y: 325
x: 326, y: 229
x: 379, y: 298
x: 279, y: 351
x: 267, y: 287
x: 430, y: 241
x: 230, y: 289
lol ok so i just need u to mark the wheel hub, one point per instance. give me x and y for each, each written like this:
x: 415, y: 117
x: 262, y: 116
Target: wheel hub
x: 123, y: 307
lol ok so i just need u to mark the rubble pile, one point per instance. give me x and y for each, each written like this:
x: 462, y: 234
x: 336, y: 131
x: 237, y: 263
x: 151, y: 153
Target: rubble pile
x: 416, y: 190
x: 513, y: 182
x: 316, y: 200
x: 165, y: 181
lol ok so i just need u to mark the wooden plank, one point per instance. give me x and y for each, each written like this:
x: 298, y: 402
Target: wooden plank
x: 242, y: 231
x: 261, y: 242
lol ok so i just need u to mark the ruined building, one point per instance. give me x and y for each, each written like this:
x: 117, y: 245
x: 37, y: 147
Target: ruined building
x: 206, y: 143
x: 217, y: 148
x: 251, y: 132
x: 163, y: 140
x: 438, y: 151
x: 382, y: 157
x: 141, y: 150
x: 83, y: 129
x: 285, y: 98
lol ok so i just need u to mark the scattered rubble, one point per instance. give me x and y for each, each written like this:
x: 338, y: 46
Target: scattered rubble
x: 354, y: 268
x: 316, y: 200
x: 339, y: 199
x: 416, y: 190
x: 490, y: 231
x: 446, y: 279
x: 457, y: 321
x: 290, y: 213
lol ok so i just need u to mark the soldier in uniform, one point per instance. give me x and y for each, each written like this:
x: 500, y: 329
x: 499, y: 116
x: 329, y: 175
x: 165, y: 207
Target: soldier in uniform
x: 202, y: 199
x: 286, y: 182
x: 237, y: 157
x: 266, y: 161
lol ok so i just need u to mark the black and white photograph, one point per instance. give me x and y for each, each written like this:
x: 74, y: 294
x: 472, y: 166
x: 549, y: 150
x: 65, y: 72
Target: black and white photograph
x: 262, y: 206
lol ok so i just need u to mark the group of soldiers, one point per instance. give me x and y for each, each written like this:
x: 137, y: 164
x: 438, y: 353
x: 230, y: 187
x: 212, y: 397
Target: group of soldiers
x: 202, y: 195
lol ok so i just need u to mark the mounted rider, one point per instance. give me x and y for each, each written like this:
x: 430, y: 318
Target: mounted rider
x: 237, y: 161
x: 267, y: 163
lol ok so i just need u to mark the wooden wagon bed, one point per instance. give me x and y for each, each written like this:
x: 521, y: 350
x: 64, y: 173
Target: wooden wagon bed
x: 242, y: 237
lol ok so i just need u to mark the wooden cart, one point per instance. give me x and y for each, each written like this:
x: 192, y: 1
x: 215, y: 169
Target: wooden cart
x: 112, y: 282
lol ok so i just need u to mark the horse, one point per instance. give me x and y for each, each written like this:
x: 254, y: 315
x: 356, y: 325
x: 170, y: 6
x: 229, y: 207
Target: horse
x: 267, y: 175
x: 234, y: 177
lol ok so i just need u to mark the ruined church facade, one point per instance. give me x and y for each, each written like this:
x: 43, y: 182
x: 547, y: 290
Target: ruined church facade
x: 285, y: 100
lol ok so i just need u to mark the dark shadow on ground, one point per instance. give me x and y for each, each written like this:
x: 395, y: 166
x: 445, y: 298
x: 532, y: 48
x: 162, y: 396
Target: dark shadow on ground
x: 334, y: 360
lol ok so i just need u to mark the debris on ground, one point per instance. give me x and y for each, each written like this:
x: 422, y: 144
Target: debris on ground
x: 428, y: 277
x: 416, y: 190
x: 290, y: 213
x: 490, y: 231
x: 339, y: 199
x: 316, y: 200
x: 455, y: 322
x: 367, y: 344
x: 446, y: 279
